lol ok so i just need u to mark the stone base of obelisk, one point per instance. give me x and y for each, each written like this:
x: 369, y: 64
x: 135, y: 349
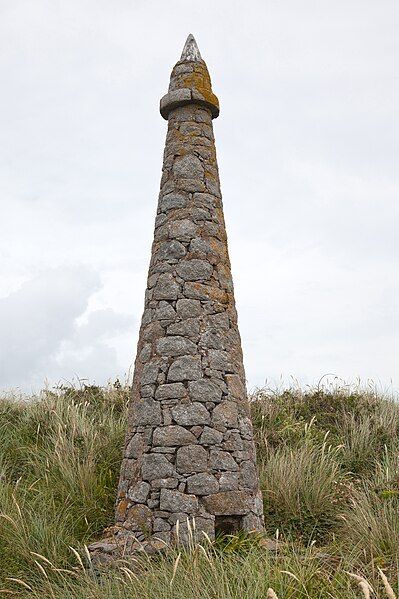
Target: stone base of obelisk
x: 119, y: 543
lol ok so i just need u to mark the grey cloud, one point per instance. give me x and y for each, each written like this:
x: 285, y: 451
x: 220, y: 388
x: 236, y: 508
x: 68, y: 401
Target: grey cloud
x: 39, y: 334
x: 102, y: 324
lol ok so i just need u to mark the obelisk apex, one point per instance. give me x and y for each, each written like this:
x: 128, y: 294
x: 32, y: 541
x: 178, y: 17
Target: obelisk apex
x: 189, y: 451
x: 190, y: 50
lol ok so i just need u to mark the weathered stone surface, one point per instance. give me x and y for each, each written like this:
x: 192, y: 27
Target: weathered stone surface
x: 245, y: 428
x: 189, y: 446
x: 211, y: 436
x: 179, y: 517
x: 186, y: 368
x: 165, y: 311
x: 221, y: 460
x: 169, y: 450
x: 160, y: 541
x: 156, y: 466
x: 166, y: 288
x: 205, y: 199
x: 170, y: 391
x: 188, y: 167
x: 197, y: 430
x: 129, y: 469
x: 192, y: 185
x: 137, y: 445
x: 188, y: 328
x: 188, y: 308
x: 220, y: 321
x: 194, y: 270
x: 160, y: 220
x: 186, y: 535
x: 147, y: 391
x: 218, y: 359
x: 172, y: 435
x: 229, y: 502
x: 145, y: 353
x: 258, y: 503
x: 214, y: 339
x: 228, y: 481
x: 175, y: 346
x: 171, y: 250
x: 204, y: 390
x: 160, y: 524
x: 164, y: 483
x: 174, y: 99
x: 189, y: 55
x: 174, y: 501
x: 236, y: 387
x: 232, y: 441
x: 202, y: 484
x: 149, y: 374
x: 248, y: 475
x: 190, y: 414
x: 172, y: 200
x: 153, y: 331
x: 139, y: 518
x: 225, y: 414
x: 253, y: 523
x: 139, y: 493
x: 147, y: 411
x: 103, y: 546
x: 201, y: 291
x: 192, y: 458
x: 183, y: 229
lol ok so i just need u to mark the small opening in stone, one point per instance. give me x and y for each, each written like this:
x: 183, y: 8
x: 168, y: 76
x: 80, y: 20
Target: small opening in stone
x: 227, y: 525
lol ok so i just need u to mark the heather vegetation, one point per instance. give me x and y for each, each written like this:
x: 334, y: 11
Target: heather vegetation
x: 329, y: 467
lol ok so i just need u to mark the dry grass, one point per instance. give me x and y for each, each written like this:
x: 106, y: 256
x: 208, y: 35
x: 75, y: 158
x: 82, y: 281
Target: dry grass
x: 330, y: 475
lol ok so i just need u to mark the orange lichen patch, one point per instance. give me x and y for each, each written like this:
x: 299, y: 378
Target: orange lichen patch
x: 219, y: 215
x: 191, y: 80
x: 189, y: 133
x: 206, y: 95
x: 139, y: 516
x: 112, y: 531
x: 182, y: 79
x: 121, y: 508
x: 211, y: 292
x: 219, y: 248
x: 187, y: 128
x: 202, y: 142
x: 210, y: 175
x: 199, y: 81
x: 173, y: 134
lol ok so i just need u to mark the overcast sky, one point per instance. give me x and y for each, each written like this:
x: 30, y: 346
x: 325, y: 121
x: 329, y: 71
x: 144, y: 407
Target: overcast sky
x: 308, y: 150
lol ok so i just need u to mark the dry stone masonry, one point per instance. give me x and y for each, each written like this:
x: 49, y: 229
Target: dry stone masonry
x: 189, y: 450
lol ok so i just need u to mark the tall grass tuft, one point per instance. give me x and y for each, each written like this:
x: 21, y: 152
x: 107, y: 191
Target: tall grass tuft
x: 60, y: 457
x: 301, y: 490
x: 372, y: 523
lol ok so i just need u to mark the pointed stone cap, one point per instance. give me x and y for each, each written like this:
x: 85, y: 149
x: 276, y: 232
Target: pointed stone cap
x: 190, y: 50
x: 190, y: 83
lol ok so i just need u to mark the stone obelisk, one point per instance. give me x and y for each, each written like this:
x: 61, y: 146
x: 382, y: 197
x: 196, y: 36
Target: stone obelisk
x: 189, y: 450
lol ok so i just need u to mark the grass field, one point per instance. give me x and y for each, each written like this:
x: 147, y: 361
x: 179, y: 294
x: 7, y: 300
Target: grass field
x: 329, y: 467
